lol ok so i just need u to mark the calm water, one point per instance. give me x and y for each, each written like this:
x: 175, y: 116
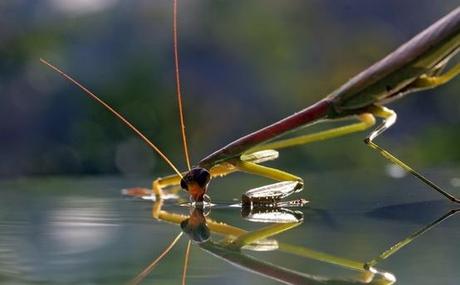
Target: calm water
x: 82, y: 231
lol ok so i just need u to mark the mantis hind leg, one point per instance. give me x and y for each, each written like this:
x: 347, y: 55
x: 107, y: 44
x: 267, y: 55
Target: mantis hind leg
x: 389, y: 118
x: 366, y: 120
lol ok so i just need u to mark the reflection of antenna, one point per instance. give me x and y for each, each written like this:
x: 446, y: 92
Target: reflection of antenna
x: 178, y: 89
x: 111, y: 110
x: 187, y: 254
x: 141, y: 276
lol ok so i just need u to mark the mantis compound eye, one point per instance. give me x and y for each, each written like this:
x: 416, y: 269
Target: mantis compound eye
x: 195, y: 182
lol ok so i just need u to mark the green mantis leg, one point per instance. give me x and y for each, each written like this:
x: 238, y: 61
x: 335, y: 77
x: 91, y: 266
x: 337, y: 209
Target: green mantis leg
x: 265, y: 171
x: 365, y: 121
x: 159, y: 184
x: 389, y: 117
x: 426, y: 82
x: 261, y: 234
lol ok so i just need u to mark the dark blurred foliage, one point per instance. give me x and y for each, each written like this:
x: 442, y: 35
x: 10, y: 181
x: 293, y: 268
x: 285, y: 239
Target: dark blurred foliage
x: 244, y: 64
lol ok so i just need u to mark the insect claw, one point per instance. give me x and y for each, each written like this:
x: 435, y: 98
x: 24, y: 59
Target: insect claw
x: 455, y: 200
x: 264, y: 214
x: 260, y: 156
x: 273, y: 192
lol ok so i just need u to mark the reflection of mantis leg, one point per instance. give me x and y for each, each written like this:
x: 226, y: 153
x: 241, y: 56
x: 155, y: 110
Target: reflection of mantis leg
x: 321, y: 256
x: 389, y: 119
x: 229, y: 250
x: 260, y: 234
x: 393, y: 249
x: 254, y: 236
x: 236, y: 238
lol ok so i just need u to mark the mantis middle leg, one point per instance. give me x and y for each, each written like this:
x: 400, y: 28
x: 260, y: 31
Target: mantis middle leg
x: 366, y: 120
x: 389, y: 118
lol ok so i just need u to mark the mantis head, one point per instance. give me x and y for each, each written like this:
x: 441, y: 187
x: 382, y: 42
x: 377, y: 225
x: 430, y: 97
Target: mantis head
x: 195, y: 182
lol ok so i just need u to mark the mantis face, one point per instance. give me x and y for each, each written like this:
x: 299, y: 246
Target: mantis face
x: 195, y: 182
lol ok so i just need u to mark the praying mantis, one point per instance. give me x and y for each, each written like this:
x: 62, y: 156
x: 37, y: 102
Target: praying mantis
x: 417, y: 65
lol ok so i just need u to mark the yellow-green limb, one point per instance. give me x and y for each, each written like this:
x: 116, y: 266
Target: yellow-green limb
x: 174, y: 180
x: 389, y: 118
x: 426, y: 82
x: 321, y: 256
x: 392, y: 250
x: 236, y: 238
x: 260, y: 234
x: 265, y: 171
x: 365, y: 121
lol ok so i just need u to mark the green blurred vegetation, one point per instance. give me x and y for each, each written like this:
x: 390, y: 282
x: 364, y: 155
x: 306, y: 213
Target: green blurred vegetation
x: 244, y: 64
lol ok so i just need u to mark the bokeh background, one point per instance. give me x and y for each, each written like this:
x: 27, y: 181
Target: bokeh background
x: 244, y: 64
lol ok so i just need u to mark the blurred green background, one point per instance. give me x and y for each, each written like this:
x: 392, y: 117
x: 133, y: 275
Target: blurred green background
x: 244, y: 64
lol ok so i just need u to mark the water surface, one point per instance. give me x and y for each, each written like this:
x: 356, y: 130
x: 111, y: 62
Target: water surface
x: 82, y: 231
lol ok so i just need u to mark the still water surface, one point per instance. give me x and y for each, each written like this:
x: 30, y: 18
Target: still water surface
x: 82, y: 231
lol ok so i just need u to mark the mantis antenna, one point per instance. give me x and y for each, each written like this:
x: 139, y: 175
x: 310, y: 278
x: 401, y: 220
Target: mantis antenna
x: 178, y: 87
x: 118, y: 115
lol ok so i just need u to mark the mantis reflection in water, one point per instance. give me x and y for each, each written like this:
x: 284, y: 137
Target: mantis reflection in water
x: 235, y: 243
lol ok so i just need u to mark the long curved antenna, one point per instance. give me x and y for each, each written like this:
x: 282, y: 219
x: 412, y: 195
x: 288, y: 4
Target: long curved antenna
x: 141, y: 276
x: 187, y: 254
x: 118, y: 115
x: 178, y: 88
